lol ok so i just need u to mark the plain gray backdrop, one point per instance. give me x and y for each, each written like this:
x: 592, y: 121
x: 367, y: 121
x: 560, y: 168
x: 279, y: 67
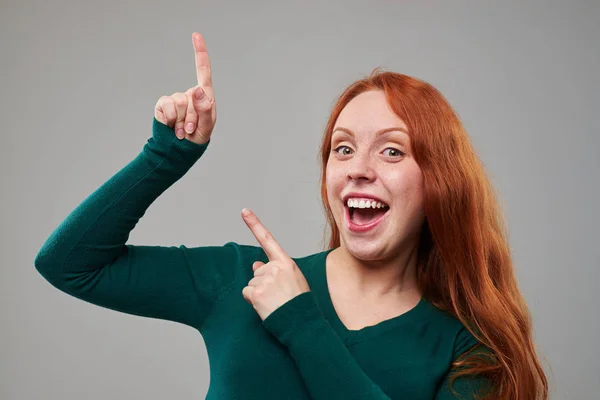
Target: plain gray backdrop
x: 79, y: 82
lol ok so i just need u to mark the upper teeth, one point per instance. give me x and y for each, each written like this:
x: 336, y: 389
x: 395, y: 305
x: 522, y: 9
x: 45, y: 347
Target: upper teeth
x: 359, y: 203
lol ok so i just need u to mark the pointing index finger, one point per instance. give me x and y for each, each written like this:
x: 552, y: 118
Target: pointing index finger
x: 202, y: 61
x: 264, y: 237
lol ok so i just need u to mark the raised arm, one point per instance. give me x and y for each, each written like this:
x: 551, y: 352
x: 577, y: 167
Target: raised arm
x: 87, y: 255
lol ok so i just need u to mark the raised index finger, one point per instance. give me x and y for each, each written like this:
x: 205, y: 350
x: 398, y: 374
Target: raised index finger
x: 202, y: 62
x: 264, y: 237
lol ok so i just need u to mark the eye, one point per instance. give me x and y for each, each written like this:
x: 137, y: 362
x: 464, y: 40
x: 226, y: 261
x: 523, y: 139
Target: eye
x: 398, y: 152
x: 339, y: 147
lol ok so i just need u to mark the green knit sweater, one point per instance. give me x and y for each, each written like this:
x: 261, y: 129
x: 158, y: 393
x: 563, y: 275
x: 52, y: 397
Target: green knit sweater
x: 300, y: 351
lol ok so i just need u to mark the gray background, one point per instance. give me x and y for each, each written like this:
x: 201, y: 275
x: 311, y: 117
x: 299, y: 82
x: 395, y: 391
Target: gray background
x: 79, y: 81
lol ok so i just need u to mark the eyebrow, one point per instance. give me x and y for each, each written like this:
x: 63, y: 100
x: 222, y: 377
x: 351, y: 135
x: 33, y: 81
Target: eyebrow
x: 378, y: 133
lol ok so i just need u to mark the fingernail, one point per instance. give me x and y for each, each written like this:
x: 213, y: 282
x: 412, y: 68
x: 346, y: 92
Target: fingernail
x: 180, y: 133
x: 189, y: 128
x: 199, y: 93
x: 245, y: 212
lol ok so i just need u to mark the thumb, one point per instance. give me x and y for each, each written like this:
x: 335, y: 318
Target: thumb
x: 256, y: 265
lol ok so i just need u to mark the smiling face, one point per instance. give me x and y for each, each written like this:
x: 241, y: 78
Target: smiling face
x: 379, y: 165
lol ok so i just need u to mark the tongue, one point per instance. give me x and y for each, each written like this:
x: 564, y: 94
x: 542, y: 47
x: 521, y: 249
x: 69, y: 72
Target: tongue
x: 363, y: 216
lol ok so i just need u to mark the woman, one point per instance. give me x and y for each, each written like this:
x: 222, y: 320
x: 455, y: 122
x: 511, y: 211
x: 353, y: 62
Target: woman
x: 415, y: 297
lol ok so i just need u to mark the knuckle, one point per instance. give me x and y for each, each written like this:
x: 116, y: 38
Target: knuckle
x: 170, y: 113
x: 162, y: 102
x: 180, y: 99
x: 203, y: 106
x: 268, y: 236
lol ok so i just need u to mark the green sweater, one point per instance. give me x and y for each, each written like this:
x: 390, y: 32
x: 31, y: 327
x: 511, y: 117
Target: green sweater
x: 300, y: 351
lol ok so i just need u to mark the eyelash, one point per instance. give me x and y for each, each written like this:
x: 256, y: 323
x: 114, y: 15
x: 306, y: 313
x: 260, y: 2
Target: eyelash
x: 393, y: 148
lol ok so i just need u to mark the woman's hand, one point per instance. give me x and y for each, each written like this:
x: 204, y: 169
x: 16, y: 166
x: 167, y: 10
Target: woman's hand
x: 276, y: 282
x: 193, y: 113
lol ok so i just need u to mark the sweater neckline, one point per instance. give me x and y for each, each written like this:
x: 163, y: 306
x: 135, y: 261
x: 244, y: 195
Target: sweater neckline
x: 350, y: 336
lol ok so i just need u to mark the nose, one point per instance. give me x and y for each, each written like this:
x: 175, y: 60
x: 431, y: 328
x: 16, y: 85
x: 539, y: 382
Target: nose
x: 359, y: 167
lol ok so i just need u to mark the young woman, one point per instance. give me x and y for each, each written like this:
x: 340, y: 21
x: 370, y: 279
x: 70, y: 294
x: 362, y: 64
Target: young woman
x: 414, y: 298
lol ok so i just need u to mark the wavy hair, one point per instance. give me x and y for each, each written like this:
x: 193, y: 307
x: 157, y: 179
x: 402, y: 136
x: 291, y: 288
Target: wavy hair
x: 464, y: 263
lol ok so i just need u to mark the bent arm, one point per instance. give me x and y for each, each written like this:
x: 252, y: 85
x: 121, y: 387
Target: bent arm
x: 327, y: 366
x: 87, y: 255
x: 319, y: 353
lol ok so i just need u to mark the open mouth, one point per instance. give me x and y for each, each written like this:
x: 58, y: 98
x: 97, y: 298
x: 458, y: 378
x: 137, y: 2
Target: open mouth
x: 365, y: 216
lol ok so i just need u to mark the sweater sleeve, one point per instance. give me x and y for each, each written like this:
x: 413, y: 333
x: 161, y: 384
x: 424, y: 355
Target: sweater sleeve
x: 87, y: 256
x: 318, y: 352
x: 467, y: 386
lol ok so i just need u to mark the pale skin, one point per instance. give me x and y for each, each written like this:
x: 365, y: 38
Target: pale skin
x: 276, y: 282
x: 372, y: 275
x: 192, y: 114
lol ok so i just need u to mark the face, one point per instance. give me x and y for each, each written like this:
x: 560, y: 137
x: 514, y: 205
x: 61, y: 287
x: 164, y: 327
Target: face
x: 379, y: 165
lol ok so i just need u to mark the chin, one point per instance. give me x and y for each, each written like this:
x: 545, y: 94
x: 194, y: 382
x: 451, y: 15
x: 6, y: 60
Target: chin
x: 367, y: 250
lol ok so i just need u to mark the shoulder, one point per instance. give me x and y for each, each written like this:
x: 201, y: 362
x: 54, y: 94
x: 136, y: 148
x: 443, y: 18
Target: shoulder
x: 247, y: 250
x: 465, y: 343
x: 463, y: 339
x: 245, y: 254
x: 227, y: 261
x: 311, y: 263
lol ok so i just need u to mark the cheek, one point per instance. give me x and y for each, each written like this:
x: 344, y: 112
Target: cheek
x: 407, y: 188
x: 412, y: 193
x: 334, y: 180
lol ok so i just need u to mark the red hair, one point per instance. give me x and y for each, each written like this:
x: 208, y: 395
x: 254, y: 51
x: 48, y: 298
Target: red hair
x: 464, y: 262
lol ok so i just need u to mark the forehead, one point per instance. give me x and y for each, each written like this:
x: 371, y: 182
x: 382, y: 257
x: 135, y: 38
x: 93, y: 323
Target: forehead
x: 367, y: 113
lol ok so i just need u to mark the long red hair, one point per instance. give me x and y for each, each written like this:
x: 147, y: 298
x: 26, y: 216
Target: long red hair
x: 464, y: 264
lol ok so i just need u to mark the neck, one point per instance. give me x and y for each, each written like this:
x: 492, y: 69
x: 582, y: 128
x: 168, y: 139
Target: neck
x: 382, y: 277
